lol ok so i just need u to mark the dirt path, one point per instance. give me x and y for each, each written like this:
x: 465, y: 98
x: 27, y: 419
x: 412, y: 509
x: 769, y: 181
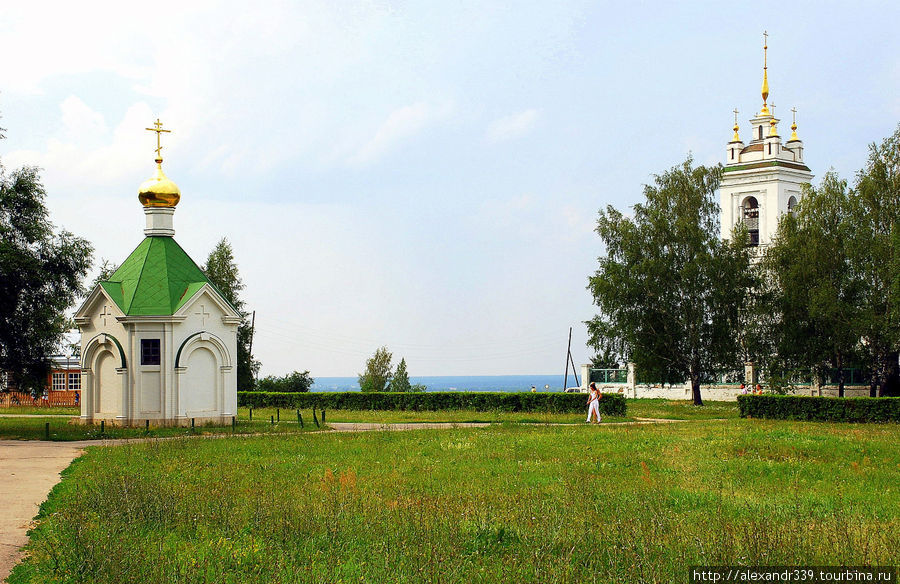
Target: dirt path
x: 30, y: 468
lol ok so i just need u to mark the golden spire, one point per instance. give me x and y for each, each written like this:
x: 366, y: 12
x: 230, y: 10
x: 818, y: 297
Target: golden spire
x: 159, y: 191
x: 736, y: 138
x: 794, y: 125
x: 765, y: 86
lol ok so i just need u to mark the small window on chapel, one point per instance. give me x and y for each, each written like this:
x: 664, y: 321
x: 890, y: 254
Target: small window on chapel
x: 149, y: 351
x: 760, y: 132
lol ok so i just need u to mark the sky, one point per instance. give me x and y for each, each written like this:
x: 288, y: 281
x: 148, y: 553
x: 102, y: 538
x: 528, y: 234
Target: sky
x: 424, y: 176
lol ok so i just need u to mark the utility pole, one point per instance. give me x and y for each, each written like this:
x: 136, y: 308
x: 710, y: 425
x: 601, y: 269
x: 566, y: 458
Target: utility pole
x: 250, y: 348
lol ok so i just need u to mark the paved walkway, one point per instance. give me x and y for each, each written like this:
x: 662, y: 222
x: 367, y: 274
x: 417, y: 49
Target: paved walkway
x: 30, y: 468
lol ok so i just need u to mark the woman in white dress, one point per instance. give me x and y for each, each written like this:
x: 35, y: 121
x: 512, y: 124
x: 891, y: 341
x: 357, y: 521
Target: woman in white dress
x: 594, y: 403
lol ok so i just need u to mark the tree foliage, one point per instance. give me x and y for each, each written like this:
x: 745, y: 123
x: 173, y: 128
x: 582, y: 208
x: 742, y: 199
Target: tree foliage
x: 106, y: 270
x: 835, y: 274
x: 669, y: 291
x: 817, y: 291
x: 377, y: 376
x: 295, y: 382
x: 222, y: 271
x: 400, y: 382
x: 875, y: 258
x: 605, y: 359
x: 41, y: 276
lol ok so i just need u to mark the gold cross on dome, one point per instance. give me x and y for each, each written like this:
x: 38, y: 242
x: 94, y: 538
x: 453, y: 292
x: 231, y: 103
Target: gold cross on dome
x: 158, y: 129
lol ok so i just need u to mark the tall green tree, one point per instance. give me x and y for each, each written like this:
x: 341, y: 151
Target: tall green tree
x: 668, y: 289
x: 41, y: 276
x: 377, y: 376
x: 222, y: 271
x: 400, y: 382
x: 816, y: 292
x: 875, y: 258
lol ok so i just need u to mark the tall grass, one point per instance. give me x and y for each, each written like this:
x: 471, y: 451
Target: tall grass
x: 503, y: 504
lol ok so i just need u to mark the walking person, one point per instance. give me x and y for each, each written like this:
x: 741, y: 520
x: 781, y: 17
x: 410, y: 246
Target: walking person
x: 594, y: 403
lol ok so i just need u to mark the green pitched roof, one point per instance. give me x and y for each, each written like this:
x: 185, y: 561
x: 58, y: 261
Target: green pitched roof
x: 156, y: 279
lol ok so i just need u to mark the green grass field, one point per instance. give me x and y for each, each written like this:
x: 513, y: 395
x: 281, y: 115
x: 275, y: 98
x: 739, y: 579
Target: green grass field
x: 61, y: 429
x: 48, y: 411
x: 573, y: 503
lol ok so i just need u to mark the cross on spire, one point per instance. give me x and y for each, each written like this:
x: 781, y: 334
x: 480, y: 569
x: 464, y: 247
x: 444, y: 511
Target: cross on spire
x: 765, y: 85
x: 157, y: 127
x: 736, y: 112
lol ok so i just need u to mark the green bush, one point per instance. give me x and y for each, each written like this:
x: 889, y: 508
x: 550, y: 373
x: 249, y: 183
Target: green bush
x: 290, y: 383
x: 610, y: 404
x: 820, y: 409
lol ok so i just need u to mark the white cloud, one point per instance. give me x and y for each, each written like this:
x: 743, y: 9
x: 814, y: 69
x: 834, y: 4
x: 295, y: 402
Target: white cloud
x: 80, y: 120
x: 400, y: 126
x: 83, y: 152
x: 511, y: 127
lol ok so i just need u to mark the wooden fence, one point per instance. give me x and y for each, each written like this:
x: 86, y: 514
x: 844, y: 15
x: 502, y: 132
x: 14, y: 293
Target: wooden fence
x: 53, y: 399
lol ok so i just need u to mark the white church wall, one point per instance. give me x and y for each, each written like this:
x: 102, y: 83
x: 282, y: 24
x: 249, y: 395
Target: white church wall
x: 199, y: 386
x: 104, y: 342
x: 109, y: 403
x: 150, y: 382
x: 150, y: 396
x: 217, y: 339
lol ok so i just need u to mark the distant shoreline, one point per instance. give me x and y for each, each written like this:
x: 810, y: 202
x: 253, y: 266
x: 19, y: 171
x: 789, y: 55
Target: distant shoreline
x: 508, y: 383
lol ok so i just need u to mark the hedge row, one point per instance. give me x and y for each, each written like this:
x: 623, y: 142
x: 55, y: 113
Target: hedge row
x: 611, y: 404
x: 820, y: 409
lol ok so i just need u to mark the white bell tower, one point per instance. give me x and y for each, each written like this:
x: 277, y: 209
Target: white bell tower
x: 763, y: 179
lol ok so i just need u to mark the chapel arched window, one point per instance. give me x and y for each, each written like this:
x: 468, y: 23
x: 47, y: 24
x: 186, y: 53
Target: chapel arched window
x: 792, y: 202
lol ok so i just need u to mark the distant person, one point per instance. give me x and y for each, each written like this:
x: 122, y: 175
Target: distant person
x: 594, y: 403
x: 533, y: 389
x: 77, y: 398
x: 744, y: 389
x: 758, y: 390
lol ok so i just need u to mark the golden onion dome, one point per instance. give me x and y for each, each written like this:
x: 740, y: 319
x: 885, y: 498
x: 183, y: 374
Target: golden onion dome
x: 159, y: 191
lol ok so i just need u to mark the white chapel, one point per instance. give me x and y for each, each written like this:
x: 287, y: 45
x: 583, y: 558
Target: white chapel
x: 764, y: 178
x: 158, y: 341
